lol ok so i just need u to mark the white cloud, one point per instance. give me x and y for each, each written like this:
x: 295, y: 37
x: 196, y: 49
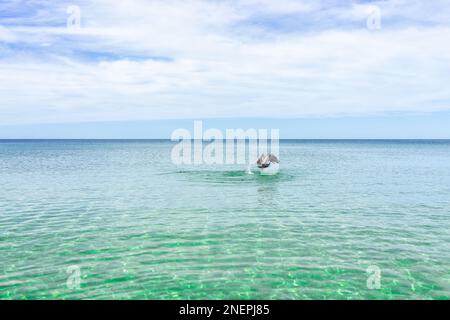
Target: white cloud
x: 6, y: 35
x: 217, y: 67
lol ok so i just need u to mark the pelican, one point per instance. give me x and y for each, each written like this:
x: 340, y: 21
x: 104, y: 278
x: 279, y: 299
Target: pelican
x: 268, y: 163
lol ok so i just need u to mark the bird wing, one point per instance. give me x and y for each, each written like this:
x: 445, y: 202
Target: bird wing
x: 262, y: 159
x: 273, y: 158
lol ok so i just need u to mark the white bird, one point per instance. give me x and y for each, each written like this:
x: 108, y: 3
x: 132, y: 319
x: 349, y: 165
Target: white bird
x: 268, y: 163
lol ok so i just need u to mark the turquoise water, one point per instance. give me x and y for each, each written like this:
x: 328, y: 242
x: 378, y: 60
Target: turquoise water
x: 138, y: 227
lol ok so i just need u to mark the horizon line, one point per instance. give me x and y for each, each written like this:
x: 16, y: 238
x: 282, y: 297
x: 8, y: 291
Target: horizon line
x: 170, y: 140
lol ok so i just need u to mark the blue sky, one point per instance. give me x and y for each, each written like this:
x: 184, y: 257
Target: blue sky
x: 141, y: 63
x: 411, y: 126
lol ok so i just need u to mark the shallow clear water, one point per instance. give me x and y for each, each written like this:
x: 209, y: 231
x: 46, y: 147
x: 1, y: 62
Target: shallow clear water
x: 138, y: 227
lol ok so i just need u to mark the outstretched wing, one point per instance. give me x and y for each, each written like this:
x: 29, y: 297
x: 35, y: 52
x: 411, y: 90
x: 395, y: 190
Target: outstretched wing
x: 273, y: 158
x: 260, y: 159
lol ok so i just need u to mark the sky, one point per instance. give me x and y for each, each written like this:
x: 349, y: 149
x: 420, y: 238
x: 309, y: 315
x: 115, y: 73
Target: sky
x: 138, y: 68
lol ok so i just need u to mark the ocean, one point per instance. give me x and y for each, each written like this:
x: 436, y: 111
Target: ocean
x: 343, y: 219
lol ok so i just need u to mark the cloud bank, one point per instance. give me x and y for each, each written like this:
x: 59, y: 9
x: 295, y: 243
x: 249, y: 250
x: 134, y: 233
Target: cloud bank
x: 136, y: 59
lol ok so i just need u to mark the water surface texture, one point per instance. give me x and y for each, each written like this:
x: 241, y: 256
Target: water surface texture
x: 138, y: 227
